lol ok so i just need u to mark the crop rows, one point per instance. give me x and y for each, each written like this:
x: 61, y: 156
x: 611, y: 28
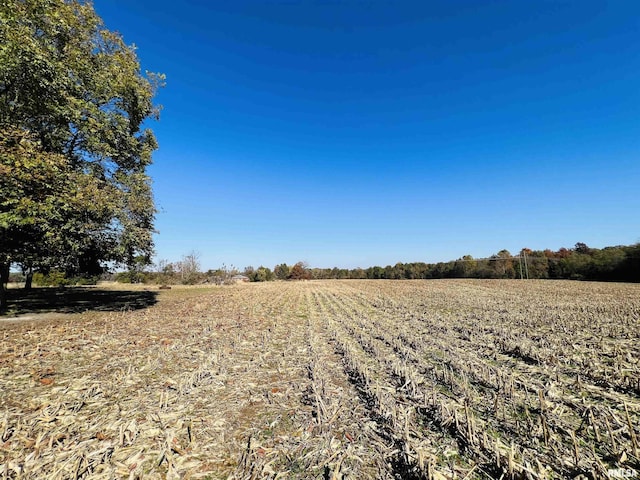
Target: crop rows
x: 500, y: 386
x: 331, y: 379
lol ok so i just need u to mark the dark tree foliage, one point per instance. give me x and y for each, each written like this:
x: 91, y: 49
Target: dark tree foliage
x: 282, y: 271
x: 74, y: 192
x: 620, y: 263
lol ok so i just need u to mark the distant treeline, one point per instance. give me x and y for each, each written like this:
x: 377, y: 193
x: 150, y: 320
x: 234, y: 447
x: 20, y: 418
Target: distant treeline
x: 620, y: 263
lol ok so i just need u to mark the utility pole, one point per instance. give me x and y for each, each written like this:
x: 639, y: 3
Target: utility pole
x: 526, y: 268
x: 520, y: 260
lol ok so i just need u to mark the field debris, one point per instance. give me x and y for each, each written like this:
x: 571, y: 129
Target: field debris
x: 330, y: 380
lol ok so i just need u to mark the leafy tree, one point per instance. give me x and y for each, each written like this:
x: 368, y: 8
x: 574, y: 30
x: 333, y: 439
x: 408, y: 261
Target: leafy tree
x: 582, y: 248
x: 282, y: 271
x: 375, y: 272
x: 464, y: 267
x: 503, y: 264
x: 358, y: 273
x: 300, y: 271
x: 262, y: 274
x: 48, y: 210
x: 538, y: 264
x: 74, y: 190
x: 606, y: 263
x: 137, y: 269
x: 249, y: 271
x: 575, y: 266
x: 629, y: 269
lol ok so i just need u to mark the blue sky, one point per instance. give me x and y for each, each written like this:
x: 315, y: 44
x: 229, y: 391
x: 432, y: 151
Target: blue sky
x: 360, y: 133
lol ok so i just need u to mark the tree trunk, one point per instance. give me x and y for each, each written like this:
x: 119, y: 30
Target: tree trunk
x: 4, y: 279
x: 28, y: 279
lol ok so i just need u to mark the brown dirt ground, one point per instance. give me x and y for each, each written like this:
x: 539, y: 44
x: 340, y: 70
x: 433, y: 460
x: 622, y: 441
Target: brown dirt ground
x: 290, y: 380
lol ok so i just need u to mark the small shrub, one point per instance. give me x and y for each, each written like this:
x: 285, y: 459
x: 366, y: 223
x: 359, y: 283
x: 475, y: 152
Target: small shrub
x: 133, y: 277
x: 52, y: 279
x: 85, y: 280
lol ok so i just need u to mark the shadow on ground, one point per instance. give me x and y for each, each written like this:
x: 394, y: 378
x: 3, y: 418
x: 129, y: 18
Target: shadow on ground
x: 76, y: 300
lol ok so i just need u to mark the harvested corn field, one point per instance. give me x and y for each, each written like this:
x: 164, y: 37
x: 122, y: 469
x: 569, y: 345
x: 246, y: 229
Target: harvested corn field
x: 330, y: 379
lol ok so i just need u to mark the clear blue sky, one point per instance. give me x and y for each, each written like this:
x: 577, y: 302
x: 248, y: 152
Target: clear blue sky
x: 360, y: 133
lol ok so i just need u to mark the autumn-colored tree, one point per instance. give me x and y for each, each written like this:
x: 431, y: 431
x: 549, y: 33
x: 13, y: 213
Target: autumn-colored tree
x: 300, y: 271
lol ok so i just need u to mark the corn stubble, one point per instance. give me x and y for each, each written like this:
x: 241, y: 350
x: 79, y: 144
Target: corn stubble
x: 330, y: 380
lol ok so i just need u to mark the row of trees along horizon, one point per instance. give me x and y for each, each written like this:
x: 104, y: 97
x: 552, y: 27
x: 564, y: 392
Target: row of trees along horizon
x: 75, y: 147
x: 620, y: 263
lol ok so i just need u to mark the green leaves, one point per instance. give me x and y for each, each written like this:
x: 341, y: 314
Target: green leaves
x: 74, y: 153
